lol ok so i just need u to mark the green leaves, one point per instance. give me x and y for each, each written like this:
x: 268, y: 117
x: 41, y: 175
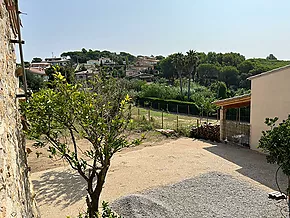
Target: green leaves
x: 99, y: 113
x: 276, y: 142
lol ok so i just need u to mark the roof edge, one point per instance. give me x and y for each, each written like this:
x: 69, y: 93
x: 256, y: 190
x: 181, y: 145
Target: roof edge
x: 269, y: 72
x: 233, y: 100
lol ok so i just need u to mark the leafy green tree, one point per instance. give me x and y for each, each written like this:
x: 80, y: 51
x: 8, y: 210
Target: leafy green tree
x: 36, y: 60
x: 160, y: 57
x: 276, y: 142
x: 202, y: 58
x: 220, y: 88
x: 208, y: 73
x: 26, y: 64
x: 209, y: 107
x: 232, y: 59
x: 178, y: 63
x: 245, y: 67
x: 167, y: 68
x: 34, y: 82
x: 271, y: 57
x: 229, y: 75
x: 99, y: 114
x: 191, y: 62
x: 66, y: 71
x: 211, y: 58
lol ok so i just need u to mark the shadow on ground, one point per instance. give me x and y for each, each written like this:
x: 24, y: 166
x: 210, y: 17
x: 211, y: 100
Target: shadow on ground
x: 65, y: 187
x: 253, y: 164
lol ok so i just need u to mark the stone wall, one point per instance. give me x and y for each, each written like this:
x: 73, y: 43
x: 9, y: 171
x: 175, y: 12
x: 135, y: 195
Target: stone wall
x: 16, y: 199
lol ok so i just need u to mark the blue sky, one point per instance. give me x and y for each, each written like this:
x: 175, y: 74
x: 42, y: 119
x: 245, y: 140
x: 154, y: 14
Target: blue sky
x: 255, y: 28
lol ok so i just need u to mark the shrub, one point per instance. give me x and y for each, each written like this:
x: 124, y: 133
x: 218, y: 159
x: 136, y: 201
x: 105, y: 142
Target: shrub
x: 158, y: 90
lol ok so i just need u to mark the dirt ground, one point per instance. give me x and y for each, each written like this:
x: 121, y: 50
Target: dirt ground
x: 61, y: 192
x: 43, y: 162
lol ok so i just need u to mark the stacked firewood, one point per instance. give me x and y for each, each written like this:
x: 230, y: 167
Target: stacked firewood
x: 207, y: 132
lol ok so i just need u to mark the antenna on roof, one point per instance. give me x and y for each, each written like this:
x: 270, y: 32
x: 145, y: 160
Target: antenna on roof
x: 52, y: 54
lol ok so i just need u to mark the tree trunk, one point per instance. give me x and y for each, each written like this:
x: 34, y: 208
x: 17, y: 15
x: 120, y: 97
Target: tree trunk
x: 188, y: 88
x: 94, y: 197
x: 180, y: 83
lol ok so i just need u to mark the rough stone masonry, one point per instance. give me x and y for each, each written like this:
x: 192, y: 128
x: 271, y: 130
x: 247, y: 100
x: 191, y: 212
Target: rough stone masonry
x: 16, y: 199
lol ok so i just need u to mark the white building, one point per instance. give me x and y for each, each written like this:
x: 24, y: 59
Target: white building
x: 93, y: 62
x: 106, y: 61
x: 62, y: 61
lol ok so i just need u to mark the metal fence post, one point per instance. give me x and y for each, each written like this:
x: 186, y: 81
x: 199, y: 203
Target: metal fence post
x: 177, y: 118
x: 149, y: 115
x: 138, y: 113
x: 162, y: 119
x: 187, y: 109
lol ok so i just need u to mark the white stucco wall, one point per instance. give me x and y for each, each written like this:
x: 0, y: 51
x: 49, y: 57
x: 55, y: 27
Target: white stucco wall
x: 270, y: 97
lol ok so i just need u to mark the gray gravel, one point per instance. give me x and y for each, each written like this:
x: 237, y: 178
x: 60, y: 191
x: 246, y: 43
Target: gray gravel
x: 210, y: 195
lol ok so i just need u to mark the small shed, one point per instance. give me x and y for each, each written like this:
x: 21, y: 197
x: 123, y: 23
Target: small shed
x: 234, y: 130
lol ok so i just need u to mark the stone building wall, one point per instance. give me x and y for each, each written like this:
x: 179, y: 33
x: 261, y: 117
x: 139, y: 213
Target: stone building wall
x: 16, y: 199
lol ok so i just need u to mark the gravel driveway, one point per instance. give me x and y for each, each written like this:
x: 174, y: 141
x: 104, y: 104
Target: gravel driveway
x: 61, y: 192
x: 209, y: 195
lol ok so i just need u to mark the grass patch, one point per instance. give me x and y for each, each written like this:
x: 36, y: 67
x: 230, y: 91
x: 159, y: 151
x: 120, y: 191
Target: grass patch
x: 169, y: 119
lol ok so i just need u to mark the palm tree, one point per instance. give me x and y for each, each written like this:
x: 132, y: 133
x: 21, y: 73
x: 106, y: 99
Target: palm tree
x: 178, y: 62
x: 191, y: 62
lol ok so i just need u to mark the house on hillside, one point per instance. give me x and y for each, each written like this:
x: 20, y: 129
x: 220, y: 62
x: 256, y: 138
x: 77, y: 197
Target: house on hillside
x: 269, y: 98
x: 85, y: 75
x: 39, y: 69
x: 93, y: 62
x: 106, y: 61
x: 146, y: 61
x: 142, y: 64
x: 62, y: 61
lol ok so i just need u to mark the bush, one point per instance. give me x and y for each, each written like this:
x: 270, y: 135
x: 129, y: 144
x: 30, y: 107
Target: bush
x: 106, y: 212
x: 158, y: 90
x: 142, y: 124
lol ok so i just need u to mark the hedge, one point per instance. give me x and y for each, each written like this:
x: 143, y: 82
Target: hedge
x: 184, y: 107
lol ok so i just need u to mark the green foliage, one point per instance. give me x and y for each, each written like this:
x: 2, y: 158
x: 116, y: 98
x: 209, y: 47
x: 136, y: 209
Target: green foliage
x: 220, y: 88
x: 106, y: 213
x: 271, y: 57
x: 66, y: 71
x: 231, y: 68
x: 36, y: 60
x: 141, y: 124
x: 136, y: 84
x: 167, y: 68
x: 183, y: 131
x: 275, y: 142
x: 159, y: 57
x: 229, y: 75
x: 100, y: 114
x: 83, y: 56
x: 34, y: 82
x: 169, y: 105
x: 157, y: 90
x: 208, y: 73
